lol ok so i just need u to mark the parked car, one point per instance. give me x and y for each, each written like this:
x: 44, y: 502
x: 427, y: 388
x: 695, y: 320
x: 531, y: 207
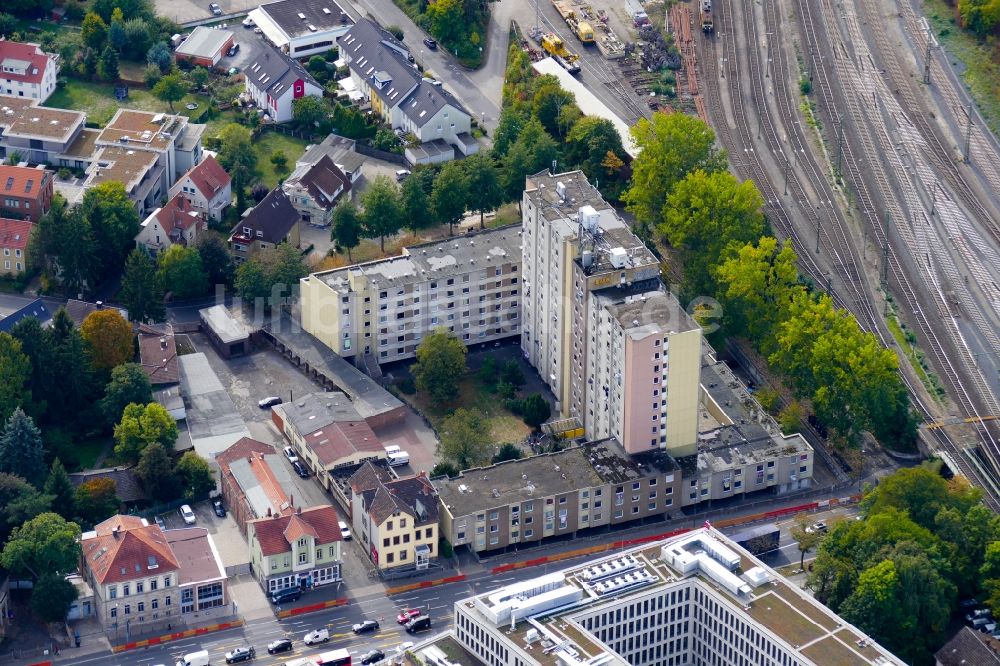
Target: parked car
x: 290, y: 454
x: 286, y: 595
x: 300, y: 469
x: 272, y: 400
x: 977, y: 613
x: 401, y: 175
x: 215, y: 9
x: 316, y: 636
x: 240, y: 654
x: 980, y: 622
x: 233, y: 50
x: 159, y: 523
x: 372, y: 657
x: 365, y: 627
x: 430, y: 43
x: 219, y: 510
x: 817, y: 527
x: 422, y: 623
x: 403, y: 647
x: 989, y: 628
x: 199, y: 658
x: 345, y: 531
x: 248, y: 22
x: 408, y: 615
x: 188, y: 515
x: 280, y: 645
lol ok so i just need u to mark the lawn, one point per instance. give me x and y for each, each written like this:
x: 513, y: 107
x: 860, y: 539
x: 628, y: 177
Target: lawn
x: 266, y: 144
x: 982, y: 66
x: 98, y: 101
x: 775, y: 614
x: 84, y: 454
x: 504, y: 426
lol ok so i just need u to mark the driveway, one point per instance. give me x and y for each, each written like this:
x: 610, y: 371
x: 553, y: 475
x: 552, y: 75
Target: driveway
x: 184, y: 11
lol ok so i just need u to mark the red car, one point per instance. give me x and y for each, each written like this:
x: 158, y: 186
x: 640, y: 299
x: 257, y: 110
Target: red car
x: 408, y: 615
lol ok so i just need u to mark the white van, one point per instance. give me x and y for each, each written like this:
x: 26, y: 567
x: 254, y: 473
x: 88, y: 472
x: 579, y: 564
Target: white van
x: 316, y: 636
x: 199, y: 658
x: 397, y: 456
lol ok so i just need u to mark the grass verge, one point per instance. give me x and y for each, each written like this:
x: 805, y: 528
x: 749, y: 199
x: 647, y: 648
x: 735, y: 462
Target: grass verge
x: 915, y: 357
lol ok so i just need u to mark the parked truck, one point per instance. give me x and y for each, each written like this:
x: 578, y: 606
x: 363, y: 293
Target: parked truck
x: 555, y: 48
x: 707, y: 24
x: 583, y: 30
x: 637, y: 12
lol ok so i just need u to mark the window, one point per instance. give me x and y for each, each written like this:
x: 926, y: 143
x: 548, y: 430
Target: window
x: 528, y: 506
x: 619, y: 513
x: 114, y: 612
x: 333, y: 552
x: 113, y: 592
x: 155, y: 603
x: 152, y: 585
x: 128, y: 609
x: 494, y: 515
x: 141, y: 607
x: 388, y: 526
x: 125, y: 589
x: 494, y: 528
x: 303, y: 557
x: 139, y: 587
x: 391, y: 557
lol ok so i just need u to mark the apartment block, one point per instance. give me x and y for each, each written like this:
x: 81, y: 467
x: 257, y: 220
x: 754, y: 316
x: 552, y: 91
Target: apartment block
x: 618, y: 351
x: 25, y: 193
x: 696, y: 598
x: 39, y: 134
x: 556, y: 494
x: 299, y: 549
x: 468, y: 285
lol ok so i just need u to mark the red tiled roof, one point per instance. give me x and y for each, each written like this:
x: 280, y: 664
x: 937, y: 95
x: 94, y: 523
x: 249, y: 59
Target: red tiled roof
x: 21, y: 51
x: 177, y: 215
x: 20, y: 181
x: 335, y: 441
x: 209, y: 177
x: 298, y: 528
x: 271, y: 532
x: 14, y: 233
x: 129, y: 554
x: 158, y: 355
x: 242, y: 448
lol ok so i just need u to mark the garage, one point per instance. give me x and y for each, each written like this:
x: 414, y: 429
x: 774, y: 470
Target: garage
x: 205, y: 46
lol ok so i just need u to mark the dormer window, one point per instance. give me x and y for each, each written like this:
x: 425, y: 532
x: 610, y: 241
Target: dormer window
x: 247, y: 231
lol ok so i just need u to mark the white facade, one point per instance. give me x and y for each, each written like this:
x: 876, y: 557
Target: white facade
x: 280, y: 107
x: 14, y: 71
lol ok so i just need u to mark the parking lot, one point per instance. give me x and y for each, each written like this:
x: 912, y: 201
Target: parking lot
x: 184, y: 11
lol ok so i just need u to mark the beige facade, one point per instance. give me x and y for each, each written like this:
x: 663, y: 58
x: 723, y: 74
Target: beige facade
x: 469, y: 286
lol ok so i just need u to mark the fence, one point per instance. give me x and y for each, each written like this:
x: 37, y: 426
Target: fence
x: 395, y: 158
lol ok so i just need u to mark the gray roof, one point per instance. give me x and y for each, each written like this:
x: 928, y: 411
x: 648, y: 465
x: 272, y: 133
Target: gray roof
x: 313, y: 411
x: 242, y: 471
x: 274, y: 217
x: 337, y: 148
x: 274, y: 72
x: 228, y: 328
x: 969, y: 648
x: 213, y: 422
x: 445, y: 258
x: 127, y: 487
x: 204, y: 42
x: 35, y: 308
x: 376, y: 54
x: 428, y: 151
x: 646, y: 312
x: 321, y: 14
x: 79, y: 310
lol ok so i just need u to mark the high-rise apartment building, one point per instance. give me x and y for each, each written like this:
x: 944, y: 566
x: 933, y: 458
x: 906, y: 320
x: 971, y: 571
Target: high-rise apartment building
x: 619, y: 352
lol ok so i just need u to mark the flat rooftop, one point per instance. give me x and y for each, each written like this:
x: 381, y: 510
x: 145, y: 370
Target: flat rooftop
x: 151, y: 131
x: 42, y: 121
x: 299, y: 17
x: 121, y: 163
x: 83, y: 145
x: 646, y: 312
x: 424, y: 262
x: 541, y: 189
x: 549, y: 611
x: 196, y: 554
x: 228, y: 328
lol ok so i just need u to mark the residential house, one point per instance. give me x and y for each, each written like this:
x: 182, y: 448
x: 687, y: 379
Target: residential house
x: 35, y: 308
x: 300, y: 549
x: 340, y: 150
x: 253, y: 477
x: 207, y: 187
x: 969, y: 648
x: 127, y: 486
x: 144, y: 577
x: 274, y: 81
x: 27, y: 71
x: 176, y: 222
x: 402, y: 97
x: 314, y: 190
x: 158, y: 354
x: 328, y: 432
x: 396, y: 520
x: 301, y: 28
x: 79, y: 310
x: 41, y: 135
x: 274, y: 220
x: 25, y: 193
x: 14, y: 236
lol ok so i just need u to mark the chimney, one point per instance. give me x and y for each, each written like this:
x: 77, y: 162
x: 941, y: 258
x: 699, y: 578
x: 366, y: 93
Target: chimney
x: 100, y: 305
x: 268, y: 512
x: 291, y: 500
x: 114, y: 532
x: 163, y: 343
x: 298, y: 510
x: 249, y: 460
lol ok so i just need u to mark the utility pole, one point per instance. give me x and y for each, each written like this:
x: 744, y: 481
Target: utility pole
x: 840, y: 147
x: 968, y: 134
x: 885, y: 253
x: 818, y: 224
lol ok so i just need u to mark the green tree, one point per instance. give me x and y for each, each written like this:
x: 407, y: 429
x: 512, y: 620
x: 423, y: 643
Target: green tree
x: 382, y: 211
x: 62, y: 244
x: 96, y: 500
x: 587, y: 146
x: 21, y: 450
x: 535, y: 410
x: 672, y: 145
x: 70, y: 386
x: 141, y: 293
x: 922, y: 493
x: 180, y: 272
x: 533, y: 151
x: 444, y: 469
x: 346, y: 231
x: 116, y: 31
x: 511, y: 373
x: 280, y: 162
x: 129, y: 384
x: 710, y: 216
x: 94, y: 31
x: 198, y: 78
x: 805, y: 538
x: 195, y: 476
x: 448, y: 198
x: 19, y: 502
x: 506, y: 452
x: 549, y: 100
x: 483, y: 184
x: 170, y: 88
x: 416, y: 206
x: 790, y: 418
x: 51, y: 597
x: 138, y: 38
x: 15, y: 371
x: 60, y: 488
x: 215, y: 259
x: 155, y: 472
x: 45, y: 544
x: 8, y: 24
x: 757, y: 286
x: 113, y: 222
x: 237, y: 156
x: 109, y: 338
x: 252, y: 280
x: 310, y: 112
x: 446, y: 19
x: 140, y: 426
x: 440, y: 366
x: 465, y: 439
x: 159, y: 55
x: 980, y: 16
x: 107, y: 66
x: 273, y: 271
x: 512, y: 120
x: 872, y: 605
